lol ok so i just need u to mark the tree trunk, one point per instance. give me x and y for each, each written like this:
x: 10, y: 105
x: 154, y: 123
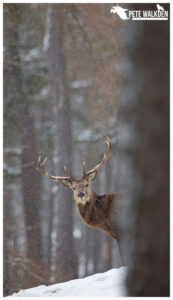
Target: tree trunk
x: 30, y: 185
x: 148, y: 153
x: 29, y: 178
x: 66, y: 260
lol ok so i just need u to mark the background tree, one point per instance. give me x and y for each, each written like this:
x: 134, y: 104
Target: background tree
x: 66, y: 264
x: 20, y: 112
x: 145, y: 116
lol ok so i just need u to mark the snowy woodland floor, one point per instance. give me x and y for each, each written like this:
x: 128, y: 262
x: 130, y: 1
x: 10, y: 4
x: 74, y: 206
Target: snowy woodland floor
x: 108, y: 284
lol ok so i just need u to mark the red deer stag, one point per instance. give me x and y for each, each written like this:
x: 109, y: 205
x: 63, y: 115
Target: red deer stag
x: 95, y: 210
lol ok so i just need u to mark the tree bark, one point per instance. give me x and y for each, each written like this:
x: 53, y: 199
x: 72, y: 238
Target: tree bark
x: 66, y: 260
x: 147, y: 114
x: 29, y: 178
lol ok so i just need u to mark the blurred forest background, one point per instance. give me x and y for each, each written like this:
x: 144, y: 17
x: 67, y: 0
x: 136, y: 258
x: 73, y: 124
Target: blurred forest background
x: 73, y: 74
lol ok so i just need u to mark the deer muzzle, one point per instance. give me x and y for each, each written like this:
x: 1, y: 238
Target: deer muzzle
x: 80, y: 195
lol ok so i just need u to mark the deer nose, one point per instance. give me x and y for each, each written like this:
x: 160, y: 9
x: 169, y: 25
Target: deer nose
x: 81, y: 195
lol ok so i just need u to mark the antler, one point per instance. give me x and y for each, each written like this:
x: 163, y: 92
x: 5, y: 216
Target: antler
x: 105, y: 158
x: 49, y: 175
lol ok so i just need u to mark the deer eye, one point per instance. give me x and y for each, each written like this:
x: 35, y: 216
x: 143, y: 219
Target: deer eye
x: 86, y: 185
x: 74, y: 189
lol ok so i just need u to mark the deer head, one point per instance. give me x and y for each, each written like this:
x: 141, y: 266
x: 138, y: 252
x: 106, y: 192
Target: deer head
x: 81, y: 187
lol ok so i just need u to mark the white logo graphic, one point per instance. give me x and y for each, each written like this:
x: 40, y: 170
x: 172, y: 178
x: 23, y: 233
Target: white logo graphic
x: 159, y: 7
x: 141, y: 15
x: 120, y: 12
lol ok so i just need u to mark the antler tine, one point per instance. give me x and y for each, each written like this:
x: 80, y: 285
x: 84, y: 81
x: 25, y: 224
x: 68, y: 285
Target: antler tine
x: 68, y: 173
x: 40, y: 164
x: 105, y: 157
x: 44, y: 161
x: 84, y: 168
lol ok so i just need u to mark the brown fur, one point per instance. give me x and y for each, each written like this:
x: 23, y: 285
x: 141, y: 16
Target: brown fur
x: 97, y: 212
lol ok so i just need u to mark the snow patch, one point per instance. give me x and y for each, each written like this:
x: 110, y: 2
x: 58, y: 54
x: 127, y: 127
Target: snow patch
x: 31, y: 55
x: 12, y: 171
x: 81, y: 84
x: 17, y: 151
x: 108, y: 284
x: 77, y: 233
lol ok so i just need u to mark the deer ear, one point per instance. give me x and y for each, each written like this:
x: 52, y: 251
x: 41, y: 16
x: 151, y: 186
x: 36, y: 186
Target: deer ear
x: 66, y: 182
x: 92, y: 176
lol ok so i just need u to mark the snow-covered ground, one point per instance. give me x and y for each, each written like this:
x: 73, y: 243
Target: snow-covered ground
x: 108, y: 284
